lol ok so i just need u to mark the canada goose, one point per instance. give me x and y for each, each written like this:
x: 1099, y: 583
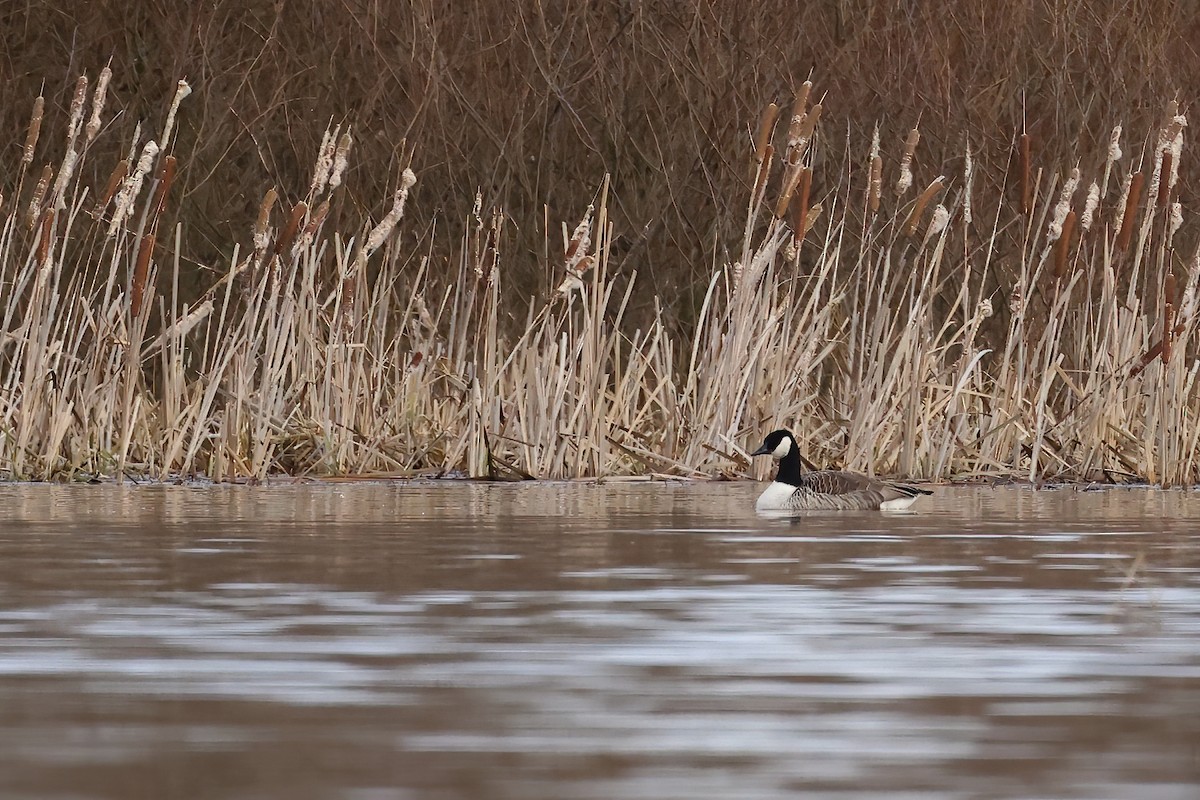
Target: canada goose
x: 827, y: 490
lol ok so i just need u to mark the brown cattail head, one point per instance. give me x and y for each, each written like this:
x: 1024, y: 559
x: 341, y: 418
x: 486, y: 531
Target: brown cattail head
x: 39, y: 195
x: 1164, y: 182
x: 141, y: 273
x: 77, y: 101
x: 914, y: 217
x: 1131, y: 203
x: 341, y: 158
x: 799, y: 207
x: 35, y: 130
x: 766, y: 125
x: 119, y: 173
x: 1026, y: 172
x: 288, y: 237
x: 904, y: 182
x: 800, y: 104
x: 876, y: 190
x: 262, y: 223
x: 43, y: 252
x: 314, y: 224
x: 166, y: 177
x: 800, y: 135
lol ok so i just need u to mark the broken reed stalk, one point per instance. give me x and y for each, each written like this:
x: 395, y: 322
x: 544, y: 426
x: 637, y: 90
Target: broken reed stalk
x: 1130, y: 211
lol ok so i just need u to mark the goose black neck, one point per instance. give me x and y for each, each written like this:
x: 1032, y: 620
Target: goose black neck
x: 789, y: 466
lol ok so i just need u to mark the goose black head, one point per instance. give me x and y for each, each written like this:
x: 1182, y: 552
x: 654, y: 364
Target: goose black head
x: 778, y: 445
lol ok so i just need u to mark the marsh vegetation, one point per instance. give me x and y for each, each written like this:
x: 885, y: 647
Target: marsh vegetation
x: 981, y: 301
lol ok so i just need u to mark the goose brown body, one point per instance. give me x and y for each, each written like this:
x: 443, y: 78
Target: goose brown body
x: 825, y: 490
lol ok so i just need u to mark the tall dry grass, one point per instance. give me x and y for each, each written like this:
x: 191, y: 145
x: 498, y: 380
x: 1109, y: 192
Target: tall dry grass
x: 861, y: 308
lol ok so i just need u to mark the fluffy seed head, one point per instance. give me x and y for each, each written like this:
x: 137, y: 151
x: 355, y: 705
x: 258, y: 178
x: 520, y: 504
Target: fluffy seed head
x: 341, y: 157
x: 1089, y: 206
x: 35, y: 129
x: 98, y: 99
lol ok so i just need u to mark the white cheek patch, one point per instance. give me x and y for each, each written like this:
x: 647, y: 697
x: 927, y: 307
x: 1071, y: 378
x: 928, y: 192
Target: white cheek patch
x: 782, y: 449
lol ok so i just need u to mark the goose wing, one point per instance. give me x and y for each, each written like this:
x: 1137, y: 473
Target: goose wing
x: 835, y: 489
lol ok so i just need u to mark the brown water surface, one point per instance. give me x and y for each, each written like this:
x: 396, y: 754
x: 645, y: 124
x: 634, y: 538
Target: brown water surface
x: 553, y: 641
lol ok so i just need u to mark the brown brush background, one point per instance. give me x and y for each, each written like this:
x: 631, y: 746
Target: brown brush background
x: 533, y: 102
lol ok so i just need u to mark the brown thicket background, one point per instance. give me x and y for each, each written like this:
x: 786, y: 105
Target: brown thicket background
x: 532, y: 103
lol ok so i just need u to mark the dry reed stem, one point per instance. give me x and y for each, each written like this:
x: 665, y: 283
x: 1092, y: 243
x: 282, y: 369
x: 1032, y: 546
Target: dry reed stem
x: 968, y: 179
x: 1026, y: 173
x: 1111, y: 157
x: 1130, y: 211
x: 1168, y: 322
